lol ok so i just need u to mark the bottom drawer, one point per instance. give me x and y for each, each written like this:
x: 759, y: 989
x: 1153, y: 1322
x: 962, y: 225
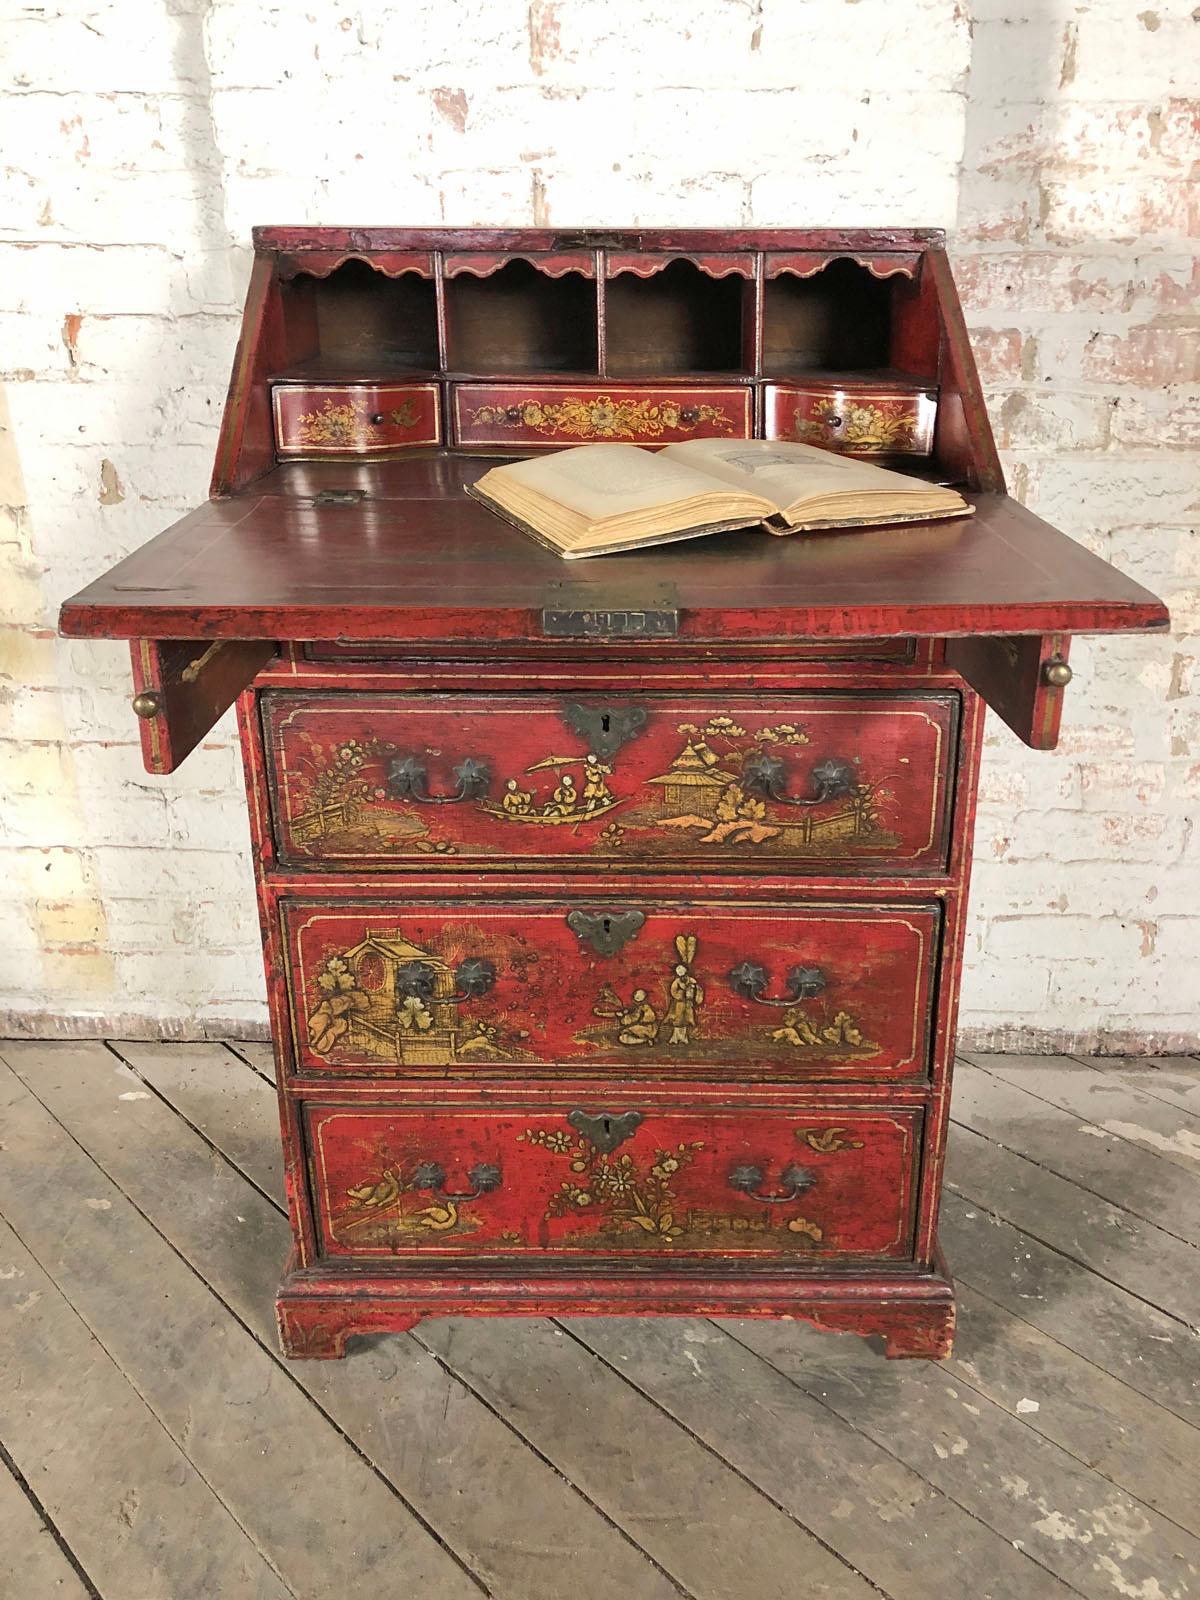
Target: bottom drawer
x: 613, y: 1178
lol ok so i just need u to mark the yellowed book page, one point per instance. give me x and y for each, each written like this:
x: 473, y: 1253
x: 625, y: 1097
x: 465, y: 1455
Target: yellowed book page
x: 791, y: 475
x: 603, y: 481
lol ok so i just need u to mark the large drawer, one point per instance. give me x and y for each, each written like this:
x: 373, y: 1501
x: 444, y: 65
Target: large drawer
x: 613, y: 1179
x: 506, y: 987
x: 809, y: 782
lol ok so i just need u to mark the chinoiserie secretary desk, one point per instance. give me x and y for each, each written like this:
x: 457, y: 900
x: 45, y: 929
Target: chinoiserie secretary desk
x: 613, y: 911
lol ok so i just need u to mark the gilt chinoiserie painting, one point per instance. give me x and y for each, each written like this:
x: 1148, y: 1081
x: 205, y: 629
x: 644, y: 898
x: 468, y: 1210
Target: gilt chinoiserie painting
x: 505, y: 986
x: 861, y: 784
x: 505, y: 1181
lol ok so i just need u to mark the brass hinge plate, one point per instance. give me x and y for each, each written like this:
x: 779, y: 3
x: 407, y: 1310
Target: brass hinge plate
x: 610, y: 611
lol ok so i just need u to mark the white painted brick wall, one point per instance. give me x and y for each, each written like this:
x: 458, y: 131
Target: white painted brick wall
x: 1055, y: 137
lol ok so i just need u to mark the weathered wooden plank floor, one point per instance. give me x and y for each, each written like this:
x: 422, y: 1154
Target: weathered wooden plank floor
x: 155, y: 1446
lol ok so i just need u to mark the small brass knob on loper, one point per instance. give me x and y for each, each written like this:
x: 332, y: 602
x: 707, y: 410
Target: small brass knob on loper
x: 1057, y: 674
x: 147, y: 704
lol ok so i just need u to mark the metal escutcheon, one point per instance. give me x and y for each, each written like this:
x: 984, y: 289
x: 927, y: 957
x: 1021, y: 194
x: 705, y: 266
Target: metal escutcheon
x: 605, y: 931
x: 605, y: 1129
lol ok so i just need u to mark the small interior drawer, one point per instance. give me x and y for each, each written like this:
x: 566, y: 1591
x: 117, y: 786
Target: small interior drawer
x: 625, y: 1177
x: 854, y: 419
x: 535, y: 414
x: 355, y: 419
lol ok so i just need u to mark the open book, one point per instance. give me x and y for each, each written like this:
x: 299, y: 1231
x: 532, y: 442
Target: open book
x: 601, y: 498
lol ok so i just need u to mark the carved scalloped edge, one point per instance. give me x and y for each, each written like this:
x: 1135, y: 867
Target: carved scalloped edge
x: 648, y: 266
x: 878, y: 266
x: 550, y: 266
x: 323, y: 266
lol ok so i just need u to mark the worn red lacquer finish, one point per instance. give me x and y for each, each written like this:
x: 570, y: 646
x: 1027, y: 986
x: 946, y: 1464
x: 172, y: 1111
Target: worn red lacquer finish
x: 550, y: 1179
x: 809, y: 780
x: 506, y: 986
x: 613, y: 915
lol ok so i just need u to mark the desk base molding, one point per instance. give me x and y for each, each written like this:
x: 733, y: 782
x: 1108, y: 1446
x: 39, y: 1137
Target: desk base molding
x: 318, y: 1311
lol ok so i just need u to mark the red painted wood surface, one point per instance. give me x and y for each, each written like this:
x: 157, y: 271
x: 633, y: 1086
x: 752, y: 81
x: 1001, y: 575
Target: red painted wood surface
x: 183, y: 688
x: 666, y: 1002
x: 355, y: 419
x: 403, y: 564
x: 826, y: 1184
x: 246, y: 446
x: 912, y: 1315
x: 1012, y: 675
x: 303, y: 237
x: 392, y: 659
x: 534, y: 415
x: 674, y: 790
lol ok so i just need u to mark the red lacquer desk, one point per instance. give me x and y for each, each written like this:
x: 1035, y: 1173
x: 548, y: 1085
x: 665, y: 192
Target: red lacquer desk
x: 613, y: 913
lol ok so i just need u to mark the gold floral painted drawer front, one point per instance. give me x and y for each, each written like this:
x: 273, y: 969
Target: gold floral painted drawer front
x: 534, y: 414
x: 621, y: 1177
x: 355, y: 419
x: 814, y: 782
x: 854, y: 419
x: 511, y: 986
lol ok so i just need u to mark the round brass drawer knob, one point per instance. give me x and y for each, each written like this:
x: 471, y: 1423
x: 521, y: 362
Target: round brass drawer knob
x: 147, y: 704
x: 1057, y: 674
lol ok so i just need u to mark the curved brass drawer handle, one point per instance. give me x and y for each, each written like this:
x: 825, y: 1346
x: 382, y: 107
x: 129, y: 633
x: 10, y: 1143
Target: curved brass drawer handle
x: 473, y: 977
x: 750, y: 980
x: 431, y: 1175
x: 829, y: 780
x: 408, y: 777
x: 748, y: 1179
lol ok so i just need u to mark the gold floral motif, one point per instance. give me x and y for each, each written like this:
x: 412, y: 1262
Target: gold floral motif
x: 631, y: 1197
x: 332, y: 426
x: 604, y: 417
x: 344, y: 426
x: 890, y: 425
x: 338, y: 789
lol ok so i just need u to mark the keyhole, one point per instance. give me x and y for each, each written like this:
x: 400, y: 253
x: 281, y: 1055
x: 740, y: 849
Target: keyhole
x: 608, y: 924
x: 608, y: 1127
x: 605, y: 722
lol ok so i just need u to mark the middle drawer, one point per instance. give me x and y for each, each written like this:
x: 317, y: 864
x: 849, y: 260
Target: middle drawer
x: 807, y: 782
x: 502, y: 988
